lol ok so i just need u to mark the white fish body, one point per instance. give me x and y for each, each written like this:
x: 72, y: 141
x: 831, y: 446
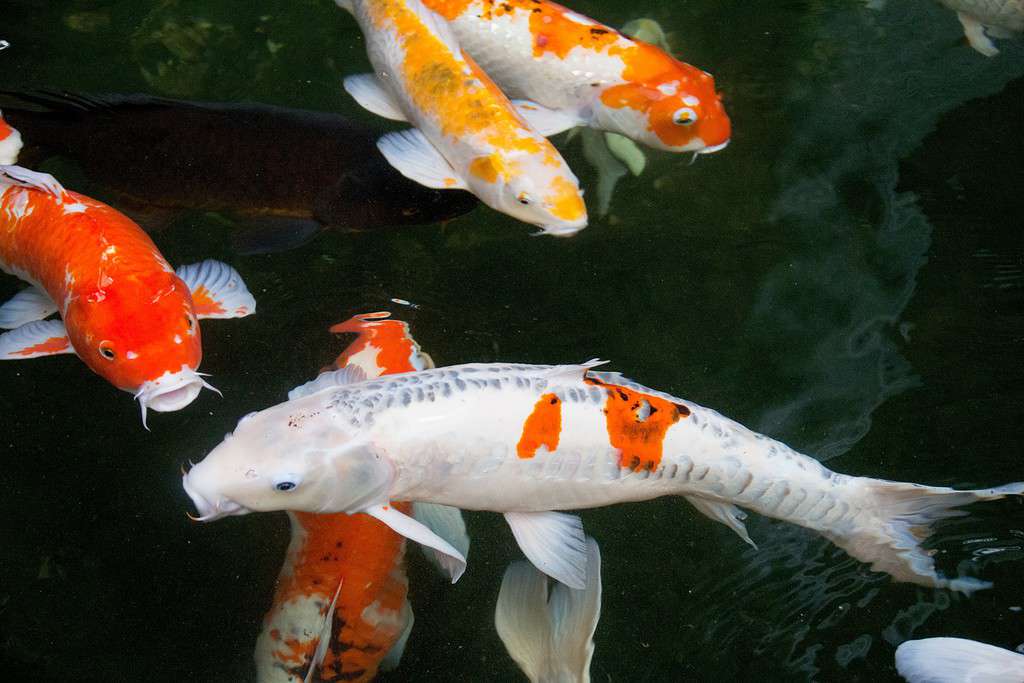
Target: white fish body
x: 957, y: 660
x: 986, y: 19
x: 467, y: 134
x: 526, y: 440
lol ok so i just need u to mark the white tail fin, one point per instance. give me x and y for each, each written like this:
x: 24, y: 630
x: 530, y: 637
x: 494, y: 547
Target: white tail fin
x: 551, y: 639
x: 899, y: 517
x: 956, y: 660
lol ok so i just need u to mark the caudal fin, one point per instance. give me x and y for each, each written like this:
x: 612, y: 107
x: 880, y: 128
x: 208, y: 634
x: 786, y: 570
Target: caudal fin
x: 897, y: 517
x: 550, y: 633
x: 954, y: 660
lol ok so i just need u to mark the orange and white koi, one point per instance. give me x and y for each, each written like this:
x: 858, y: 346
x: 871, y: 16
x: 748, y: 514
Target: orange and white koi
x: 957, y: 660
x: 354, y: 558
x: 574, y: 71
x: 124, y: 311
x: 525, y: 440
x: 467, y: 134
x: 10, y: 143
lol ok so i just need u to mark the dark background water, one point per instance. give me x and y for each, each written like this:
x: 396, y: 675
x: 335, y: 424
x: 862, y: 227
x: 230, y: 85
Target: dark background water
x: 848, y: 276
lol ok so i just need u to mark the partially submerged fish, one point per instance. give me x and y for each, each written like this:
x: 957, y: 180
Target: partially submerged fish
x: 526, y: 440
x: 10, y: 144
x: 287, y: 173
x: 574, y: 71
x: 124, y: 311
x: 467, y: 134
x: 549, y: 631
x: 355, y: 558
x: 986, y: 19
x: 957, y: 660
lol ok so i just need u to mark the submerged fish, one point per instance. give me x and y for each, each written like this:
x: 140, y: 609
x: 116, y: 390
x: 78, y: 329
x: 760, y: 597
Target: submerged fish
x: 10, y: 144
x: 467, y: 134
x: 353, y: 557
x: 287, y: 172
x: 126, y: 313
x: 574, y: 71
x: 525, y: 440
x: 549, y: 631
x: 986, y: 19
x: 957, y: 660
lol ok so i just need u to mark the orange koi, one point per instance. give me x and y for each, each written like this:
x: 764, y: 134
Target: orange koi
x: 371, y: 616
x: 124, y: 311
x: 571, y: 70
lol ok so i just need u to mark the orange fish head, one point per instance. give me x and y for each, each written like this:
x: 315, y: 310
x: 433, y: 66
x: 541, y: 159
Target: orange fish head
x: 141, y: 334
x: 542, y: 190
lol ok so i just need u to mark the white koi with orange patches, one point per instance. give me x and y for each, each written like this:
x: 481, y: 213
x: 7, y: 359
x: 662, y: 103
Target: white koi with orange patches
x: 589, y: 73
x: 468, y: 134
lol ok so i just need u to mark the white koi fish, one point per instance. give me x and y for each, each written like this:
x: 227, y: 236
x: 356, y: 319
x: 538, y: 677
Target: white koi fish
x: 526, y: 440
x: 549, y: 631
x: 467, y: 135
x: 573, y: 71
x: 986, y: 19
x: 957, y: 660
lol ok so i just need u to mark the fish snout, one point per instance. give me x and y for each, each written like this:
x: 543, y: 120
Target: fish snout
x: 171, y: 391
x: 209, y: 511
x: 714, y: 148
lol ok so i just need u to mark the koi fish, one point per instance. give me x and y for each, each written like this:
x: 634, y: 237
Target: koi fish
x: 10, y: 143
x: 124, y: 311
x: 305, y: 171
x: 549, y: 632
x: 573, y: 71
x: 957, y: 660
x: 526, y: 440
x: 986, y: 19
x: 370, y: 615
x: 467, y: 134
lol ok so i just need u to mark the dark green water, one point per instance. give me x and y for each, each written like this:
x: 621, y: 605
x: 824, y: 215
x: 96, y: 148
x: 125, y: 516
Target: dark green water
x: 848, y: 276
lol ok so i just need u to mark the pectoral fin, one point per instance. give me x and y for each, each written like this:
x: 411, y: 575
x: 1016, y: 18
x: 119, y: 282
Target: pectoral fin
x: 26, y: 306
x: 324, y: 639
x: 217, y: 290
x: 370, y: 93
x: 545, y: 121
x: 417, y: 159
x: 446, y: 522
x: 726, y: 513
x: 35, y: 339
x: 452, y: 561
x: 554, y: 542
x: 37, y: 181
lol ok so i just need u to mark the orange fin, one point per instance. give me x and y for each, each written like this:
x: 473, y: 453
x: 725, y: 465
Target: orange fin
x: 35, y: 339
x: 217, y: 290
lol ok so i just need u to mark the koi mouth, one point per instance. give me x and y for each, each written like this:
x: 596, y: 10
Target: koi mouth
x: 172, y: 391
x: 224, y: 507
x: 715, y: 148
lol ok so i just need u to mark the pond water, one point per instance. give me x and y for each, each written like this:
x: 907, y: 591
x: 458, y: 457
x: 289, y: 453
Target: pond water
x: 848, y: 277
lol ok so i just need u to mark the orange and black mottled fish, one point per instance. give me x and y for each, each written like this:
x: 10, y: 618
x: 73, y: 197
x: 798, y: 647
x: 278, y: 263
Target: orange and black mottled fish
x: 287, y: 172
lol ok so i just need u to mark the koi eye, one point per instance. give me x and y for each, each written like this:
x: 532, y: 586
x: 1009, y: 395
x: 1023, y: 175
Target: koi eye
x: 684, y: 117
x: 524, y: 199
x: 191, y: 323
x: 107, y: 351
x: 287, y: 482
x: 284, y: 485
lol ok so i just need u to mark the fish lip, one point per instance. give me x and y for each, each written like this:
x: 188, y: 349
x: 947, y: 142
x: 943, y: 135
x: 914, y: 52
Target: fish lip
x: 714, y: 148
x: 563, y: 228
x: 208, y: 511
x: 171, y: 391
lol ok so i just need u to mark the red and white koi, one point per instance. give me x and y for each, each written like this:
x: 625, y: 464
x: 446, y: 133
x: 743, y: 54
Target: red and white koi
x: 467, y: 134
x: 10, y: 143
x: 574, y: 71
x: 354, y: 558
x: 124, y: 311
x: 525, y: 440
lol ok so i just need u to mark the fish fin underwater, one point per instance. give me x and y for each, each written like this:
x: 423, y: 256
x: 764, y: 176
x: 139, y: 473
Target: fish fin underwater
x: 412, y: 155
x: 549, y: 630
x: 34, y: 340
x: 217, y: 290
x: 368, y: 91
x: 554, y: 543
x: 450, y: 559
x: 273, y: 234
x: 726, y: 513
x: 546, y: 121
x: 33, y: 179
x: 957, y: 660
x: 394, y: 656
x: 28, y: 305
x: 446, y: 522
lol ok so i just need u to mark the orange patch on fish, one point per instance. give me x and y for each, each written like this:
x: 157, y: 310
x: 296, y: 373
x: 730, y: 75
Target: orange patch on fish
x: 485, y: 168
x: 566, y: 201
x: 388, y: 341
x: 51, y: 345
x: 5, y: 129
x: 205, y: 304
x: 542, y: 428
x: 637, y: 424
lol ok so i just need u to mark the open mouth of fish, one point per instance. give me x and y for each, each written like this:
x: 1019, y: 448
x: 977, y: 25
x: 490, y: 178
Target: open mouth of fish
x: 172, y: 391
x: 207, y: 511
x: 713, y: 149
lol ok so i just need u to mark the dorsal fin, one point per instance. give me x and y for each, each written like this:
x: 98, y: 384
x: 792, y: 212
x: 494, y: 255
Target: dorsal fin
x: 350, y: 374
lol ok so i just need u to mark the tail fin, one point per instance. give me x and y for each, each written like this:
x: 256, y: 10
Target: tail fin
x: 951, y: 660
x: 550, y: 637
x: 900, y: 516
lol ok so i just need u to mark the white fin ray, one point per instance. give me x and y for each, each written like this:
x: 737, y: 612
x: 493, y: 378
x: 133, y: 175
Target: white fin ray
x: 34, y: 340
x: 371, y: 94
x: 32, y: 179
x: 956, y: 660
x: 222, y: 285
x: 324, y: 639
x: 974, y: 31
x: 26, y: 306
x: 350, y: 374
x: 453, y: 561
x: 446, y: 522
x: 554, y: 543
x: 412, y: 155
x: 572, y: 373
x: 544, y: 120
x: 726, y: 513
